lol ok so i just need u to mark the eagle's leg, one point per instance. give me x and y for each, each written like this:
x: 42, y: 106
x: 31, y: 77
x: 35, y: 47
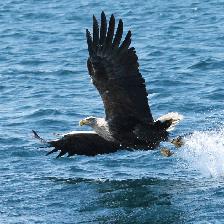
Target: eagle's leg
x: 166, y: 152
x: 177, y: 142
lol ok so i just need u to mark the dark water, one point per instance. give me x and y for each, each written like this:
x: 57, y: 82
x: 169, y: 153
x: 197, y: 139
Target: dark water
x: 44, y: 86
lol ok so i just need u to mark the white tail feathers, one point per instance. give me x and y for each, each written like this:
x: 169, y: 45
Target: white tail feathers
x: 174, y: 117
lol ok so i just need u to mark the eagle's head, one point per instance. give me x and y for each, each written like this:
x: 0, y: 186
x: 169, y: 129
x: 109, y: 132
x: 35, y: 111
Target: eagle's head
x: 90, y: 121
x: 99, y: 125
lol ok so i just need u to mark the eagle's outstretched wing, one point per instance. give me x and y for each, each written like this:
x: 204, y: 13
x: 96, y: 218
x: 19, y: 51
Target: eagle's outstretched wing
x: 79, y: 143
x: 114, y: 69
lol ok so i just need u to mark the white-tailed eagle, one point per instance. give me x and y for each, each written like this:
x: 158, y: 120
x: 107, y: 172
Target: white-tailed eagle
x: 128, y: 124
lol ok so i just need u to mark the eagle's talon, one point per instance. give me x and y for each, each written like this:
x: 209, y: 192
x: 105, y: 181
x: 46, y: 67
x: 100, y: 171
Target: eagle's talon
x: 178, y: 142
x: 166, y: 152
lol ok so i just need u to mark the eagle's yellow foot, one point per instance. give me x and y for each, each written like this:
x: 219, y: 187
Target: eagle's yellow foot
x: 166, y: 152
x: 178, y: 142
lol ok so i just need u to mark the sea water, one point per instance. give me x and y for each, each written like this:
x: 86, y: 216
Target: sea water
x: 44, y: 85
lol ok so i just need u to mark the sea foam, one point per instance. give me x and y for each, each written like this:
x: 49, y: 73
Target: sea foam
x: 204, y: 152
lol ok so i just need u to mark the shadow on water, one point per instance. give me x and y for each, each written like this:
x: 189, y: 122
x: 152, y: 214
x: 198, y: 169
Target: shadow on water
x: 125, y: 201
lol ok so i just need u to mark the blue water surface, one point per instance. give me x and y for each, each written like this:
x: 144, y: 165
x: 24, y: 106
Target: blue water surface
x: 44, y: 85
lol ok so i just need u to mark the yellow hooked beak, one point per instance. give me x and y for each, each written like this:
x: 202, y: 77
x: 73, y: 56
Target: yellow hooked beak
x: 83, y: 122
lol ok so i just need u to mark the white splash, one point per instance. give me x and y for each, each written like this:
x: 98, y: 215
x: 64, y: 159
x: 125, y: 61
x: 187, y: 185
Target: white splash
x: 204, y: 152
